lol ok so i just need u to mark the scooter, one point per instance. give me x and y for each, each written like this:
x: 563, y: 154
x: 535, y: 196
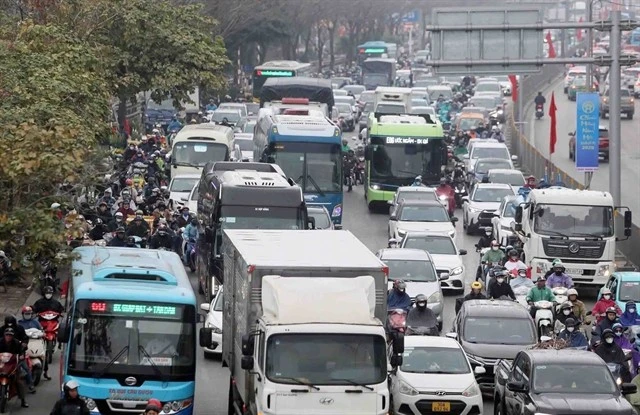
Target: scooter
x: 8, y: 379
x: 360, y: 170
x: 50, y: 323
x: 36, y: 353
x: 544, y: 318
x: 190, y: 250
x: 421, y: 327
x: 561, y: 296
x: 539, y: 111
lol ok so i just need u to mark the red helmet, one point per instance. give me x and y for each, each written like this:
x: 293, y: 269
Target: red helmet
x: 153, y: 405
x: 129, y: 182
x: 27, y: 309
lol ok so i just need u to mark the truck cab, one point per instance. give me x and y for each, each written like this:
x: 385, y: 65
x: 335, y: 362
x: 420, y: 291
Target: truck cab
x: 577, y: 226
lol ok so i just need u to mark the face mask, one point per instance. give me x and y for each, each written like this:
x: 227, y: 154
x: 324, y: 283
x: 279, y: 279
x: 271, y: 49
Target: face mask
x: 570, y: 329
x: 606, y: 297
x: 618, y: 333
x: 632, y: 310
x: 500, y: 280
x: 48, y: 296
x: 28, y: 316
x: 566, y: 312
x: 422, y: 304
x: 609, y: 340
x: 119, y: 219
x: 494, y: 248
x: 401, y: 290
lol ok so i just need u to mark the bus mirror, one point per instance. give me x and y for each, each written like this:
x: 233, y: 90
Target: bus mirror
x: 247, y: 345
x: 205, y: 337
x: 246, y: 363
x: 627, y: 221
x: 396, y: 361
x: 368, y: 152
x: 64, y: 332
x: 518, y: 217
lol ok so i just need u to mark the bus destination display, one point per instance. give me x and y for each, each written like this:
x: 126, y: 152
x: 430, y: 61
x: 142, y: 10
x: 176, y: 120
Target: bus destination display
x: 133, y: 309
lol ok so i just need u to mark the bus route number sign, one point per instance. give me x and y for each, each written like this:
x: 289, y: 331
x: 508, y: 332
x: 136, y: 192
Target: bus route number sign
x: 406, y: 140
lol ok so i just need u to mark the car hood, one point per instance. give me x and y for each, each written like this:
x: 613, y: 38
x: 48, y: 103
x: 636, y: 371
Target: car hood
x: 484, y: 205
x: 581, y: 403
x: 429, y: 382
x: 493, y: 351
x: 446, y: 261
x: 444, y: 227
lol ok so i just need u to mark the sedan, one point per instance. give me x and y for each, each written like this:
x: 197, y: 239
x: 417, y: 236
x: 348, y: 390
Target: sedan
x: 503, y: 217
x: 446, y: 256
x: 321, y: 216
x: 483, y: 201
x: 418, y: 215
x: 180, y: 187
x: 213, y: 321
x: 482, y: 167
x: 243, y: 147
x: 345, y: 116
x: 512, y: 177
x: 412, y: 193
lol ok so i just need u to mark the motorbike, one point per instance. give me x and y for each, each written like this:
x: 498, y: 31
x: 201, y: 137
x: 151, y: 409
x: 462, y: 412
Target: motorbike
x: 539, y: 111
x: 460, y: 192
x: 622, y: 376
x: 561, y: 296
x: 360, y: 170
x: 396, y: 321
x: 8, y: 379
x: 349, y: 180
x: 421, y: 327
x: 36, y: 353
x: 50, y: 323
x: 544, y: 318
x: 189, y: 248
x: 521, y: 295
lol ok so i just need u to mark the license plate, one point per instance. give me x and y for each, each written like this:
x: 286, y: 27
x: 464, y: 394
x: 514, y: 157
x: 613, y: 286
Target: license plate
x: 440, y: 407
x: 573, y: 271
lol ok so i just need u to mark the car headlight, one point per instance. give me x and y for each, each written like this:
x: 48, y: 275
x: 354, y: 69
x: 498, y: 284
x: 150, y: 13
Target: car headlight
x: 457, y: 271
x: 604, y: 270
x: 436, y: 297
x: 214, y: 328
x: 337, y: 211
x: 473, y: 209
x: 402, y: 233
x: 472, y: 390
x: 407, y: 389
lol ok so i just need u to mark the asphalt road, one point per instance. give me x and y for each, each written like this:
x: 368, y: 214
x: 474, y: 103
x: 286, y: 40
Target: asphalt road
x: 213, y: 379
x: 566, y: 123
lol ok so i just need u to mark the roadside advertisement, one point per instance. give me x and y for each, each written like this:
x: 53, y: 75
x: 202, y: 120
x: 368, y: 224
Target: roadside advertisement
x: 587, y: 138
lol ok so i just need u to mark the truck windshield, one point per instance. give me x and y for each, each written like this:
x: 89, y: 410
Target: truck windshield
x: 198, y: 154
x: 630, y: 291
x: 316, y: 167
x: 441, y: 360
x: 261, y: 217
x: 567, y: 378
x: 574, y: 220
x: 151, y: 339
x: 411, y: 270
x: 392, y: 159
x: 498, y: 330
x: 327, y: 358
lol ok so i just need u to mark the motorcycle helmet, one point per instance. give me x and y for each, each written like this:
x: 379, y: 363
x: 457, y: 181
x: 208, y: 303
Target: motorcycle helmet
x: 47, y: 292
x: 153, y: 405
x: 9, y: 332
x: 572, y: 291
x: 476, y: 285
x: 513, y: 254
x: 194, y: 222
x: 566, y: 307
x: 421, y: 301
x: 131, y: 241
x: 608, y: 335
x: 10, y: 320
x: 611, y: 310
x: 618, y: 330
x: 570, y: 324
x: 27, y: 312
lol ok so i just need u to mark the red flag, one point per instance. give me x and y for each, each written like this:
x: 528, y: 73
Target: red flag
x: 552, y: 50
x: 579, y: 32
x: 514, y: 87
x: 553, y: 136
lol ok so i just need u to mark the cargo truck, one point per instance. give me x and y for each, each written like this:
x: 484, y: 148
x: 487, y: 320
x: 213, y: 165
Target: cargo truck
x: 303, y: 324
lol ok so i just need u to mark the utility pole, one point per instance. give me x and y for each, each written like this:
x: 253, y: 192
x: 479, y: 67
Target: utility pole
x: 590, y: 44
x: 615, y: 147
x: 563, y: 33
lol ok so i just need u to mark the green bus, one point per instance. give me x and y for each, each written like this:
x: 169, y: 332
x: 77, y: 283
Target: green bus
x: 400, y: 148
x: 280, y: 69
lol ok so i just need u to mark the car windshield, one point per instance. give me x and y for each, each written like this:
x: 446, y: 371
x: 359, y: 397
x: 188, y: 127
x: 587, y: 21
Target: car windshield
x: 423, y: 83
x: 512, y: 179
x: 322, y: 219
x: 180, y: 184
x: 344, y: 109
x: 569, y: 378
x: 231, y: 116
x: 245, y: 145
x: 326, y: 359
x: 390, y: 108
x: 483, y: 102
x: 406, y: 195
x: 482, y: 167
x: 499, y: 330
x: 218, y: 302
x: 416, y: 102
x: 197, y: 154
x: 440, y: 360
x: 490, y: 153
x: 488, y: 87
x: 261, y: 217
x: 630, y: 291
x: 574, y: 220
x: 248, y: 127
x: 411, y: 270
x: 468, y: 123
x: 150, y: 339
x: 423, y: 214
x: 368, y: 107
x: 375, y: 79
x: 435, y: 245
x: 252, y: 107
x: 231, y: 107
x: 423, y: 110
x: 509, y: 210
x: 487, y: 194
x: 316, y: 167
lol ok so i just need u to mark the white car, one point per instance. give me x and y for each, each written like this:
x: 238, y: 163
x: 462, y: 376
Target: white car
x: 420, y: 215
x: 503, y: 218
x: 321, y: 216
x: 482, y: 167
x: 191, y: 201
x: 445, y: 255
x: 414, y: 193
x: 238, y: 106
x: 512, y: 177
x: 435, y: 377
x: 243, y: 147
x: 573, y: 72
x: 483, y: 200
x: 213, y: 320
x: 180, y: 186
x: 486, y: 150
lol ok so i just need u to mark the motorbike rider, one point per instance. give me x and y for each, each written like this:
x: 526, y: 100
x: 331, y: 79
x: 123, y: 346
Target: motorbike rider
x: 71, y: 402
x: 422, y: 315
x: 530, y: 182
x: 539, y: 293
x: 28, y: 322
x: 190, y: 234
x: 185, y: 217
x: 630, y: 317
x: 495, y: 255
x: 129, y: 152
x: 610, y: 352
x: 521, y: 280
x: 162, y: 238
x: 444, y: 189
x: 498, y: 287
x: 603, y: 304
x: 9, y: 344
x: 565, y: 312
x: 417, y: 182
x: 19, y: 333
x: 611, y: 318
x: 174, y: 125
x: 398, y: 297
x: 474, y: 294
x: 558, y: 278
x: 485, y: 240
x: 572, y: 334
x: 145, y: 146
x: 117, y: 222
x: 345, y: 146
x: 99, y: 229
x: 514, y: 263
x: 125, y: 207
x: 497, y: 134
x: 107, y: 198
x: 119, y: 239
x: 349, y: 163
x: 481, y: 130
x: 138, y: 227
x: 139, y: 156
x: 539, y: 100
x: 579, y: 310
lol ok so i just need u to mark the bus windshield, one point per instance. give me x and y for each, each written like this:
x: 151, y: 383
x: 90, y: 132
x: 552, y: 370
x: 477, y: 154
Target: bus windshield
x: 375, y: 79
x: 574, y: 220
x: 392, y: 160
x: 113, y: 337
x: 188, y: 153
x: 316, y: 167
x: 261, y: 217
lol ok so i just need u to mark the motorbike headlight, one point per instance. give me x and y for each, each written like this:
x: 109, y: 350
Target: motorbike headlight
x: 436, y: 297
x: 472, y: 390
x: 457, y: 271
x: 337, y: 211
x: 604, y: 270
x: 407, y: 389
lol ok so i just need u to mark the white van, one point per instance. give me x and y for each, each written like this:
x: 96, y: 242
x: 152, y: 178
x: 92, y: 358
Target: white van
x: 197, y: 144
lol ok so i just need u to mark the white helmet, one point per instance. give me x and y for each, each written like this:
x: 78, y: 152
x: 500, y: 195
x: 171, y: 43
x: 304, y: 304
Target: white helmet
x: 55, y: 205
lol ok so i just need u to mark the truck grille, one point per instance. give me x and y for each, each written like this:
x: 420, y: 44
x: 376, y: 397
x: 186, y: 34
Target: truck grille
x: 573, y: 249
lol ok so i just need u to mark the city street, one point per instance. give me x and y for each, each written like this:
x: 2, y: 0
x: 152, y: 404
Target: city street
x: 566, y: 117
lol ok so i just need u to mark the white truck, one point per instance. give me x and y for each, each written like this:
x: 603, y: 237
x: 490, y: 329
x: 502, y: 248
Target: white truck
x: 392, y: 100
x: 576, y: 226
x: 303, y: 330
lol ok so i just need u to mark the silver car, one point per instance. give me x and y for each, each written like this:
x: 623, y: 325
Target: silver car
x: 321, y: 217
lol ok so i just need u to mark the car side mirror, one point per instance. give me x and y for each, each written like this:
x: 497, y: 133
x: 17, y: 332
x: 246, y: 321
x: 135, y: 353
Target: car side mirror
x: 462, y: 252
x: 479, y: 370
x: 452, y: 335
x: 514, y: 158
x: 517, y: 386
x: 628, y: 388
x: 390, y: 202
x: 393, y: 217
x: 454, y: 219
x: 627, y: 220
x: 205, y: 337
x: 205, y: 307
x: 396, y: 361
x: 247, y: 345
x: 398, y: 343
x: 465, y: 199
x: 443, y: 276
x: 246, y: 363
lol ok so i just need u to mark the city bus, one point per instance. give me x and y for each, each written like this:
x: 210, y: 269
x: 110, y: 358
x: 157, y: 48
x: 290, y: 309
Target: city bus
x: 400, y: 148
x: 280, y: 69
x: 376, y: 49
x: 130, y: 330
x: 308, y: 149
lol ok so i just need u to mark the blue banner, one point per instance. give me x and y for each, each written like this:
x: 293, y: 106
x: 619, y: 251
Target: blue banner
x: 411, y: 17
x: 587, y: 134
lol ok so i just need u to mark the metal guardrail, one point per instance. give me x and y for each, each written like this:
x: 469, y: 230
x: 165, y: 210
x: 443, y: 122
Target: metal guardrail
x: 533, y: 162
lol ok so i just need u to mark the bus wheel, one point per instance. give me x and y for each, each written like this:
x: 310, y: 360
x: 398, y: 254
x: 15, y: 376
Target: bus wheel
x: 371, y: 207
